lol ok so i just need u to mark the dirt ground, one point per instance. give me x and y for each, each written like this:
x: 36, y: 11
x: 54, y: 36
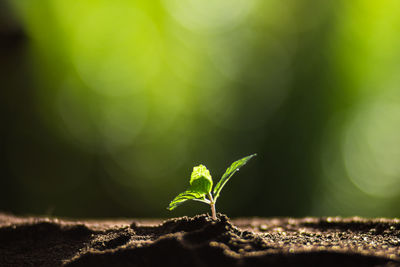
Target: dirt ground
x: 199, y: 241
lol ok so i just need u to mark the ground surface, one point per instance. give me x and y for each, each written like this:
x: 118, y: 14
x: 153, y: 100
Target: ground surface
x: 198, y: 241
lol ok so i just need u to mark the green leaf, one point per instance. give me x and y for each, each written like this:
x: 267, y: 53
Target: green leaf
x: 228, y: 174
x: 201, y: 180
x: 200, y: 185
x: 182, y: 197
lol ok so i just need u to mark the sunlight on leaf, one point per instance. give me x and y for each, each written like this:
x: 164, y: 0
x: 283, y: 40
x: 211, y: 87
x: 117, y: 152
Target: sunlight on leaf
x: 200, y: 185
x: 182, y: 197
x: 228, y: 174
x: 200, y: 180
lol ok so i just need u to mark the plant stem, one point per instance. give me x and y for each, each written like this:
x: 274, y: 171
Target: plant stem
x: 212, y: 204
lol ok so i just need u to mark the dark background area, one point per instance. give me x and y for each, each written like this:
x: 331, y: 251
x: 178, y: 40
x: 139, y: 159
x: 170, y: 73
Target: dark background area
x: 105, y: 107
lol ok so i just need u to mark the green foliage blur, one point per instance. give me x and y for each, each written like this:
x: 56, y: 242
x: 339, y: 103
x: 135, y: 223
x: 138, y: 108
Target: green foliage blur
x: 105, y: 106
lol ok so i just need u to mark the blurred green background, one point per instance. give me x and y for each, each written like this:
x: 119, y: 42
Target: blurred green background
x: 106, y: 106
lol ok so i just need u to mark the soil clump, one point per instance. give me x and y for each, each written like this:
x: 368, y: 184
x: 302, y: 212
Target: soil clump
x: 199, y: 241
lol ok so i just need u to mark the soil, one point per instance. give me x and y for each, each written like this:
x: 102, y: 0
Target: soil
x: 199, y: 241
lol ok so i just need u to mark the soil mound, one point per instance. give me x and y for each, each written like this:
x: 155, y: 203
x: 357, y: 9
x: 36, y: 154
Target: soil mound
x: 199, y: 241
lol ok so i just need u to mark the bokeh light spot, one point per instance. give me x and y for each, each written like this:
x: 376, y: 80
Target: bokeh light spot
x: 371, y: 149
x: 209, y: 16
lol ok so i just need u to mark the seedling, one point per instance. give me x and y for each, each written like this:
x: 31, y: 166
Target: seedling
x: 201, y: 186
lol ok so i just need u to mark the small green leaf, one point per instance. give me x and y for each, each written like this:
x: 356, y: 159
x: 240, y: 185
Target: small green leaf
x: 182, y: 197
x: 200, y: 180
x: 200, y: 185
x: 228, y: 174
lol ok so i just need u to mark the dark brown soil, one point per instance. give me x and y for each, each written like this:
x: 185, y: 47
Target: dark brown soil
x: 199, y: 241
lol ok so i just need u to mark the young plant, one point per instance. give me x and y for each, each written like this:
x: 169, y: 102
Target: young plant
x: 201, y: 186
